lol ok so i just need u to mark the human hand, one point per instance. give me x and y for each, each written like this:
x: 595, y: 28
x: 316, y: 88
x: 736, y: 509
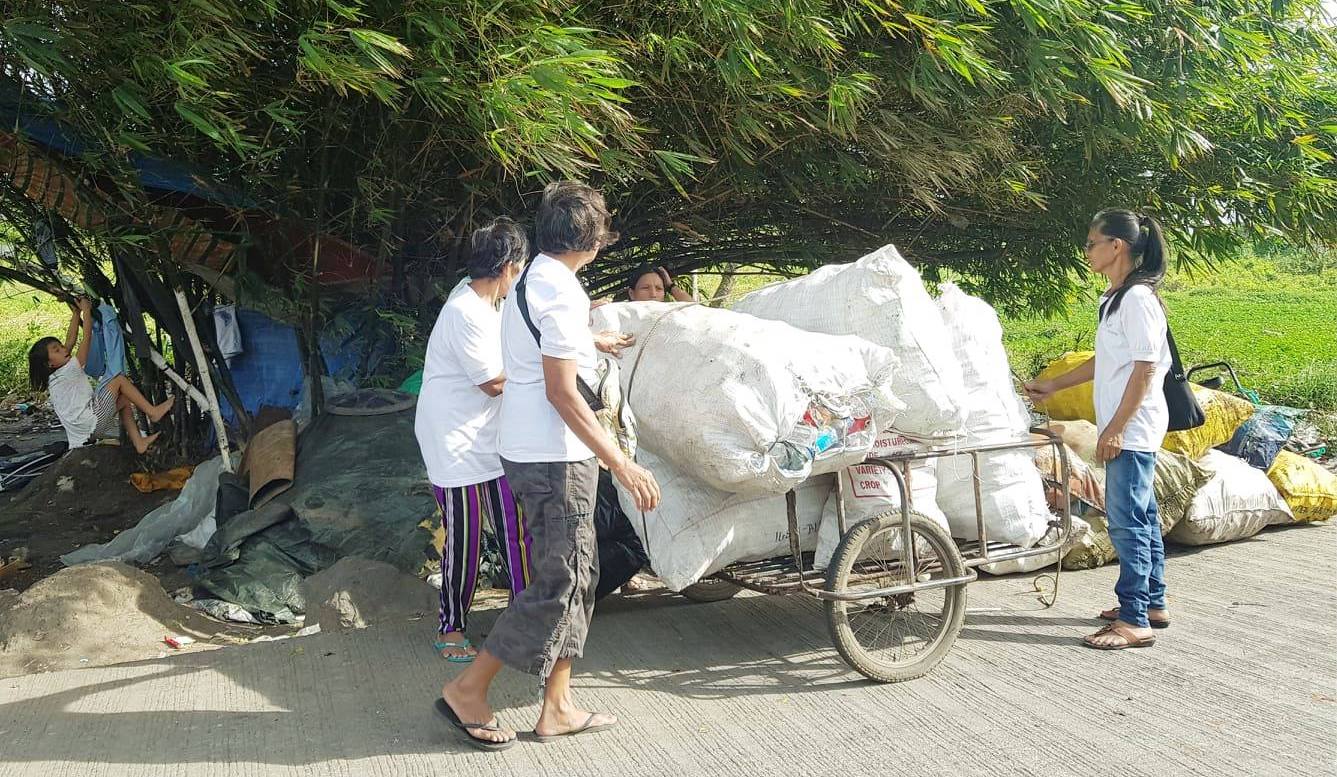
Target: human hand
x: 639, y: 482
x: 612, y: 343
x: 1039, y: 390
x: 85, y: 304
x: 665, y: 277
x: 1109, y: 445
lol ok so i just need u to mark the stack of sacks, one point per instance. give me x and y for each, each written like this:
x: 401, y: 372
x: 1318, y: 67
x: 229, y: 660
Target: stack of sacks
x: 881, y: 299
x: 1011, y: 492
x: 1176, y: 480
x: 1234, y: 426
x: 729, y: 412
x: 698, y: 530
x: 1236, y: 503
x: 746, y: 405
x: 1308, y: 489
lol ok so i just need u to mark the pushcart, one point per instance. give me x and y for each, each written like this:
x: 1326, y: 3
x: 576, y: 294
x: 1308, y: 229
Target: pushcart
x: 895, y: 590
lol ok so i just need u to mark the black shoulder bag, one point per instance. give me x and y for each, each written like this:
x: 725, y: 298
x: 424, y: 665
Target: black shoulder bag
x: 588, y: 394
x: 1185, y: 413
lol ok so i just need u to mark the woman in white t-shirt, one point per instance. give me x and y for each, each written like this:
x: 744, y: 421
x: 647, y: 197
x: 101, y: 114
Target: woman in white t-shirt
x: 1129, y: 368
x: 456, y: 426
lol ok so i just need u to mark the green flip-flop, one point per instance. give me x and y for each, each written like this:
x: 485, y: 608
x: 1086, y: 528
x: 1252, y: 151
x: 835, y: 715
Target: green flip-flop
x: 465, y: 644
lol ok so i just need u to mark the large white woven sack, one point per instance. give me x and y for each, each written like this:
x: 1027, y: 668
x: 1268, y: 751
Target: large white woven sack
x: 870, y: 490
x: 1011, y: 490
x: 747, y: 405
x: 698, y: 530
x: 1236, y: 503
x: 880, y: 298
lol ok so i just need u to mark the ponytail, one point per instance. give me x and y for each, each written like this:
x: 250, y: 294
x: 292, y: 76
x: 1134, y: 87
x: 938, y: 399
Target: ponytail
x: 1146, y: 242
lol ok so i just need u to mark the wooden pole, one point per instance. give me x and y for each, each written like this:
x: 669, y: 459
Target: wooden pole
x: 160, y: 362
x: 203, y: 366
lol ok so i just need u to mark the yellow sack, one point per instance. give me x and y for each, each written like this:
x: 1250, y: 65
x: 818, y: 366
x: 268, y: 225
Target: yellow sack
x: 1070, y: 404
x: 1225, y: 413
x: 1307, y: 487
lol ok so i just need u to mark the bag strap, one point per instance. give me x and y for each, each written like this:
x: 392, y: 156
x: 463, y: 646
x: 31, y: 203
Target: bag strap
x: 524, y: 304
x: 587, y: 393
x: 1176, y: 366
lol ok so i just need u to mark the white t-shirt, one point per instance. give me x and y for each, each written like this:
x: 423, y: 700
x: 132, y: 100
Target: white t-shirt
x: 1136, y: 332
x: 72, y: 399
x: 456, y: 421
x: 531, y: 429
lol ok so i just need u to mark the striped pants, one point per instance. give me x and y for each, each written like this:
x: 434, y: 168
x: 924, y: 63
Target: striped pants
x: 462, y: 511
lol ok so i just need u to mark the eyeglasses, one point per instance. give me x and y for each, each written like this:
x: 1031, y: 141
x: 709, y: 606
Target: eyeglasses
x: 1093, y: 243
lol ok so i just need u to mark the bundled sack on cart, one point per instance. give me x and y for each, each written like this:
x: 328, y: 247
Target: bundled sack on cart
x: 1011, y: 492
x: 1309, y: 489
x: 747, y: 405
x: 698, y: 530
x: 1237, y: 502
x: 882, y: 299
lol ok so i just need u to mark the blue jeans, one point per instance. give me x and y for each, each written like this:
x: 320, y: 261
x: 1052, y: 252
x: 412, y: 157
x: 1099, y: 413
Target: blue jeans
x: 1135, y: 532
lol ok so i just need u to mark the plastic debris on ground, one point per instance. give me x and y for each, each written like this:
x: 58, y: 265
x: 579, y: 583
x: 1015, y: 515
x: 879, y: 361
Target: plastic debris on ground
x: 151, y: 536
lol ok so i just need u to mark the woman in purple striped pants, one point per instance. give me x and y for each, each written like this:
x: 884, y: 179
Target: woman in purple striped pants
x: 456, y: 429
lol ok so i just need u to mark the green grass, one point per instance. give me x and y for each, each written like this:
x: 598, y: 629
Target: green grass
x: 25, y: 317
x: 1273, y: 318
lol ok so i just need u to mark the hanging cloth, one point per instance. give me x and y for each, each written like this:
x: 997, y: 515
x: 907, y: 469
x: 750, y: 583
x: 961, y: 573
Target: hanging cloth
x: 227, y: 332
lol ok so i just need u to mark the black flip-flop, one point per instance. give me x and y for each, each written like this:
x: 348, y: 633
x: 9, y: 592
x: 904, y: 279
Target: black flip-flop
x: 462, y: 730
x: 584, y: 728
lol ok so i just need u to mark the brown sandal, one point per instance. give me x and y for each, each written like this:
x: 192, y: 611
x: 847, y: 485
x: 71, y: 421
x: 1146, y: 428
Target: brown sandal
x: 1130, y: 640
x: 1112, y: 614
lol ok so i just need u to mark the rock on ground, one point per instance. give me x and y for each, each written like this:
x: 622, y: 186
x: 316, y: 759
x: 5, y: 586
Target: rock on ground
x: 357, y: 592
x: 91, y: 615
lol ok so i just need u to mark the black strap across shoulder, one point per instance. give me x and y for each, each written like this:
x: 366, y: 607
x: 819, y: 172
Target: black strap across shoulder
x: 588, y: 394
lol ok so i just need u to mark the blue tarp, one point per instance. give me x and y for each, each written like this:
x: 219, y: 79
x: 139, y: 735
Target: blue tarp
x: 269, y: 369
x: 160, y: 174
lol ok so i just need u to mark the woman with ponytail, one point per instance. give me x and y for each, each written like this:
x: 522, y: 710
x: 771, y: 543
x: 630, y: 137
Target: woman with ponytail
x: 1132, y: 358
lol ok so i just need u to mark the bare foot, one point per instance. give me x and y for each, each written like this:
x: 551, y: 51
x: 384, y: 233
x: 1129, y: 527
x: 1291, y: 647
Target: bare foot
x: 474, y: 710
x: 142, y: 443
x: 159, y: 410
x: 556, y: 722
x: 457, y: 645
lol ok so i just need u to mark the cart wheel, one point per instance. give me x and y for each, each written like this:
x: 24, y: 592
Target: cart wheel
x: 895, y: 638
x: 711, y: 590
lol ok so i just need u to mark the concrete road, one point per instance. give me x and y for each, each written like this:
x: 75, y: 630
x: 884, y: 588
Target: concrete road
x: 1245, y: 683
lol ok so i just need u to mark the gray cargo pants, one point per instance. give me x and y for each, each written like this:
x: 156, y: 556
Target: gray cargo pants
x: 550, y: 619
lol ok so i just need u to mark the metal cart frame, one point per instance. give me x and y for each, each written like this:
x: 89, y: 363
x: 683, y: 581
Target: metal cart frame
x: 955, y: 561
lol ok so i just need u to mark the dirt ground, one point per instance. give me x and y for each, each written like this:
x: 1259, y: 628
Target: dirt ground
x: 84, y: 497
